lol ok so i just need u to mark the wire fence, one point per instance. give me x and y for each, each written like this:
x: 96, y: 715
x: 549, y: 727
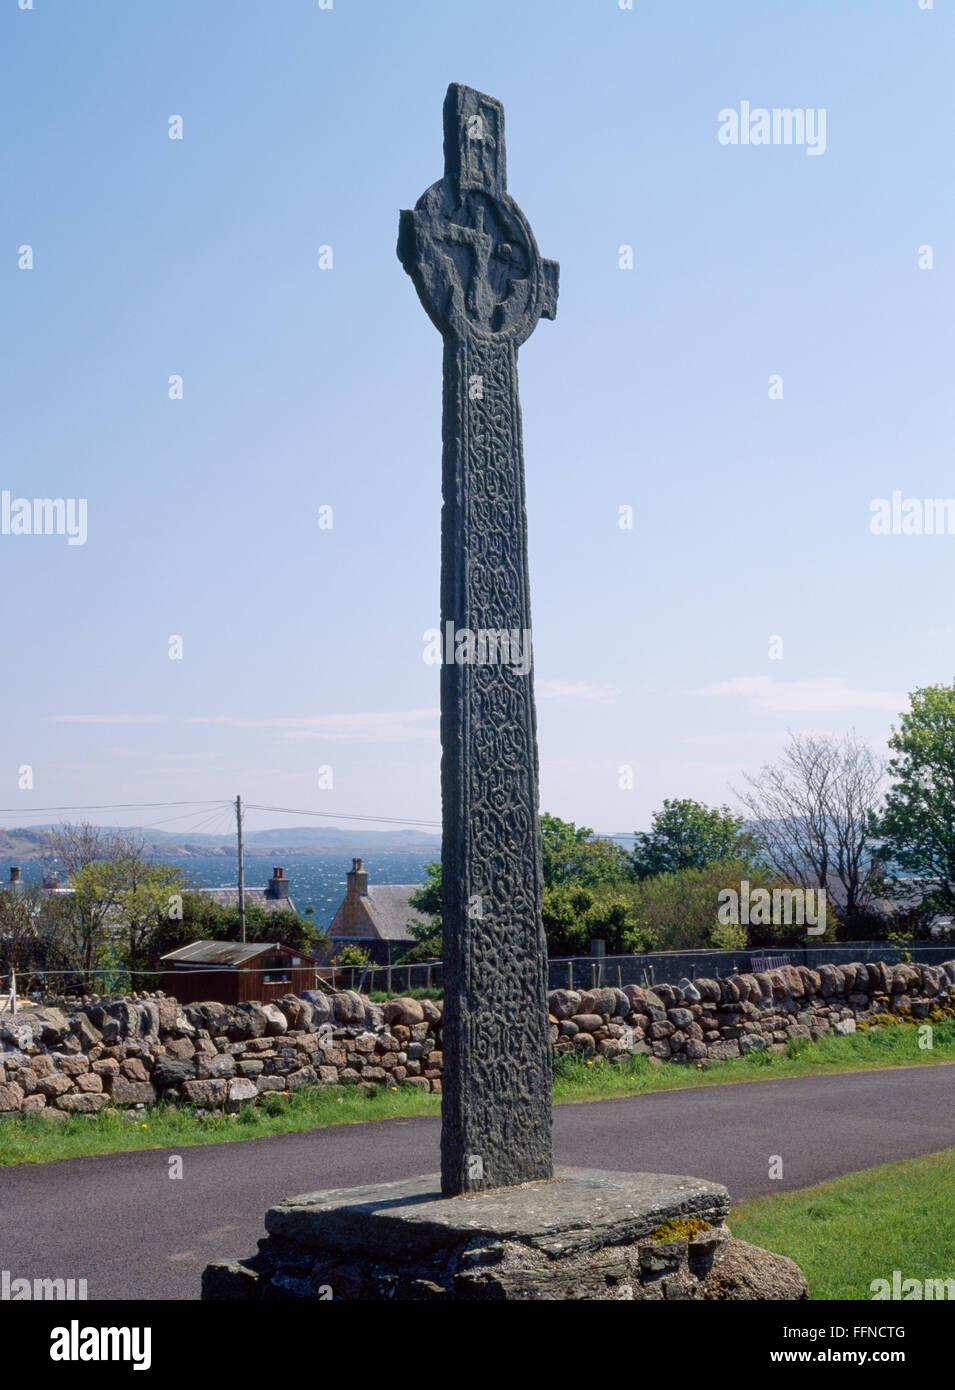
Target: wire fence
x: 645, y: 968
x: 564, y: 972
x: 667, y: 967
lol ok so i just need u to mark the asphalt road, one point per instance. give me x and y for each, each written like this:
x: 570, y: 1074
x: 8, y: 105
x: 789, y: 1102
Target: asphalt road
x: 132, y: 1232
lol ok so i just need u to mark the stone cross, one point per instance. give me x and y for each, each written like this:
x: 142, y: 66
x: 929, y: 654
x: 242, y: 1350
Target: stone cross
x: 474, y: 262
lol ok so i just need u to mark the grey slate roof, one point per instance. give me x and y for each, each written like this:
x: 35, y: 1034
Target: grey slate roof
x: 254, y: 897
x: 392, y: 911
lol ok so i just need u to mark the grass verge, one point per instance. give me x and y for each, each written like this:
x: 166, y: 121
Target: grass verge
x: 31, y: 1139
x: 894, y: 1045
x: 850, y: 1231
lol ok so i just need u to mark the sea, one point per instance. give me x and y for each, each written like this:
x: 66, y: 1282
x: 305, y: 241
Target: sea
x: 315, y: 880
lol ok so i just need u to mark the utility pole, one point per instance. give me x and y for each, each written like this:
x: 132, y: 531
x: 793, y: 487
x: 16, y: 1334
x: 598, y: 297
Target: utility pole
x: 238, y: 821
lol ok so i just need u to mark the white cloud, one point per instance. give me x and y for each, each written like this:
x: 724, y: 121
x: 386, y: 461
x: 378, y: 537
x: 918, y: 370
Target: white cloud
x: 793, y: 697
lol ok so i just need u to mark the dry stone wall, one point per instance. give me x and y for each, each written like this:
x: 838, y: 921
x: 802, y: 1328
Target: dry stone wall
x: 139, y: 1050
x: 135, y: 1051
x: 705, y: 1020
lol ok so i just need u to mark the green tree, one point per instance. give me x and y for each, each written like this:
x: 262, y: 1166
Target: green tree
x: 916, y: 827
x: 108, y: 872
x: 80, y: 920
x: 21, y: 944
x: 427, y: 935
x: 428, y: 898
x: 574, y: 854
x: 688, y: 835
x: 150, y: 893
x: 679, y: 911
x: 574, y: 859
x: 564, y: 913
x: 203, y: 919
x: 353, y: 955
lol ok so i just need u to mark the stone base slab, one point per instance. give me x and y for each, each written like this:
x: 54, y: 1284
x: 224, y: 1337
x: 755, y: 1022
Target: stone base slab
x: 585, y: 1234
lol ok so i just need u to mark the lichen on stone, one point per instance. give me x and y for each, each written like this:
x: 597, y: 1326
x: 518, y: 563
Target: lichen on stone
x: 684, y: 1229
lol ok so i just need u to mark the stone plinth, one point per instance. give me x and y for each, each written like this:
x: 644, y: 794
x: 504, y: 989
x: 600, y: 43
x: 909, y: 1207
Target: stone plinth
x: 585, y: 1234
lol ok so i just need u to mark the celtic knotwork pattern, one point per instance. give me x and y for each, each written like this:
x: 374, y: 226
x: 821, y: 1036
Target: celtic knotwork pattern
x: 479, y: 275
x: 497, y: 1054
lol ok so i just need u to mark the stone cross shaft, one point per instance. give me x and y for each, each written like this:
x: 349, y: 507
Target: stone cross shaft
x: 474, y: 262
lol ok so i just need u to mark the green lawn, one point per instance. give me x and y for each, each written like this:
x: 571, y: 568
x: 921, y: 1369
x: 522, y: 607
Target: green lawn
x: 31, y: 1139
x: 847, y: 1232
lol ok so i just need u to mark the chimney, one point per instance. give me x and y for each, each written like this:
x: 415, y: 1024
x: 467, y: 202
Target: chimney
x: 357, y: 880
x: 355, y: 907
x: 278, y: 884
x: 15, y: 880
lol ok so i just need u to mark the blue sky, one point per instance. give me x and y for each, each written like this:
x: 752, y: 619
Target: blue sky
x: 302, y: 388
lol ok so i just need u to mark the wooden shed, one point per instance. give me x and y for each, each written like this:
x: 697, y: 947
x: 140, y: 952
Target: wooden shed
x: 233, y: 972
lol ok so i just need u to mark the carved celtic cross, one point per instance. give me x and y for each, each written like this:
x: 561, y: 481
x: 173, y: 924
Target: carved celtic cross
x: 475, y: 264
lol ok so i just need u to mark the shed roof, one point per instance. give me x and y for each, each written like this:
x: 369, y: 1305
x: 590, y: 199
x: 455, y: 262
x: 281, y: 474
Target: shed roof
x: 228, y: 953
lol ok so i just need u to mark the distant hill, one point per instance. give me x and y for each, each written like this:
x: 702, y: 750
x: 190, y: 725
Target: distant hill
x: 29, y: 843
x: 22, y: 844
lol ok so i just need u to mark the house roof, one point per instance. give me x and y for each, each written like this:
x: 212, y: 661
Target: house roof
x: 254, y: 897
x: 392, y: 911
x: 227, y: 954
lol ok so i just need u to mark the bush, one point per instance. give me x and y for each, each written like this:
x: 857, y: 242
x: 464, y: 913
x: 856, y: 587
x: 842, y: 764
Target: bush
x: 667, y: 912
x: 353, y: 955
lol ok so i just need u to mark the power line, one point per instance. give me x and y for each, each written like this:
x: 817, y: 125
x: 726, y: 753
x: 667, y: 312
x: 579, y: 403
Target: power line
x: 112, y: 806
x: 166, y: 820
x: 218, y: 803
x: 341, y: 815
x: 249, y: 806
x: 214, y: 818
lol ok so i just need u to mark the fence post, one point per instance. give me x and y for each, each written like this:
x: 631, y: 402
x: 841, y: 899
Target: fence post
x: 429, y: 976
x: 388, y: 978
x: 598, y: 950
x: 693, y: 971
x: 620, y: 977
x: 652, y: 981
x: 570, y: 974
x: 594, y: 974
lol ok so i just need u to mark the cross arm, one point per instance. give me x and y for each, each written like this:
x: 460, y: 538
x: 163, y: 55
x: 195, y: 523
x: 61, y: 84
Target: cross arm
x: 551, y: 278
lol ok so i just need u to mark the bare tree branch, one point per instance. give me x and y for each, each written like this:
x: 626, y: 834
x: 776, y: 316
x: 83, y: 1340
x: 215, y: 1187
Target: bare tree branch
x: 811, y: 812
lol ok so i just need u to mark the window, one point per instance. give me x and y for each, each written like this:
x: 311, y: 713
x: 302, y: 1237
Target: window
x: 276, y: 970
